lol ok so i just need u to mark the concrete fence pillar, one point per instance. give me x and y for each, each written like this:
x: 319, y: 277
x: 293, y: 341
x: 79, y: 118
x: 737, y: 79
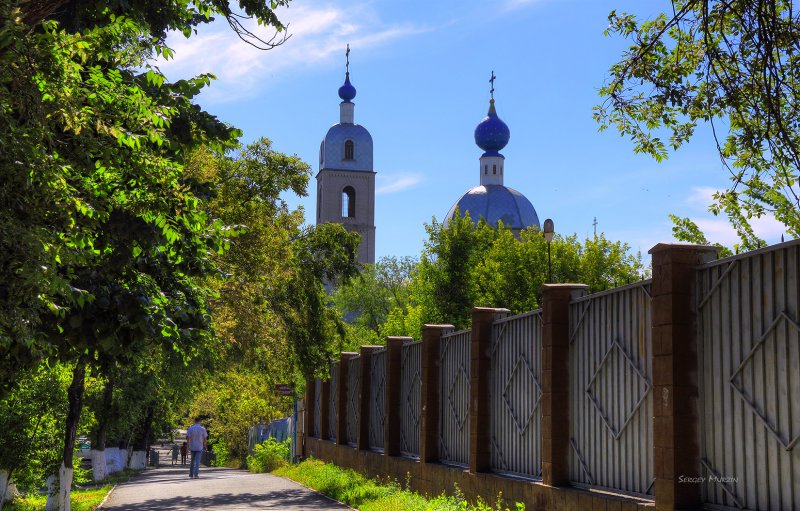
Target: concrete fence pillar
x: 362, y: 431
x: 676, y: 413
x: 555, y: 380
x: 480, y: 418
x: 392, y: 403
x: 324, y: 409
x: 341, y: 398
x: 429, y: 419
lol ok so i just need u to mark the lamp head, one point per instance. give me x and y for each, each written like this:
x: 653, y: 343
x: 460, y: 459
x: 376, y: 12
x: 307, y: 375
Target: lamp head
x: 548, y: 230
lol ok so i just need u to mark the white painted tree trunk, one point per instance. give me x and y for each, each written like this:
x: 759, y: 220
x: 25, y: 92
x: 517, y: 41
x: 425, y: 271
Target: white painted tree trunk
x: 99, y: 468
x: 123, y: 458
x: 58, y: 490
x: 52, y: 493
x: 113, y: 461
x: 138, y: 460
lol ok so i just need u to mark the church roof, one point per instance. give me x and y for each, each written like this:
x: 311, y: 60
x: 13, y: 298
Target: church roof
x: 496, y: 203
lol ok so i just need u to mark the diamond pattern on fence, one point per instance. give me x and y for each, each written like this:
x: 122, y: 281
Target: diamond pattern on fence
x: 353, y: 390
x: 749, y: 378
x: 332, y: 401
x: 611, y: 403
x: 617, y: 366
x: 317, y: 407
x: 515, y: 395
x: 377, y: 396
x: 410, y: 398
x: 454, y: 367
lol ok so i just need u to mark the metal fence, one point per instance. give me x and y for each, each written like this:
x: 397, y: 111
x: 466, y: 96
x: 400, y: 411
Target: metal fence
x: 454, y: 367
x: 515, y: 393
x: 749, y: 365
x: 352, y: 405
x: 333, y: 394
x: 611, y: 426
x: 317, y: 427
x: 377, y: 398
x: 410, y: 398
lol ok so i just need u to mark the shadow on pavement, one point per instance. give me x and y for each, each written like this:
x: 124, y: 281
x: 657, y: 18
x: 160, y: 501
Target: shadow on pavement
x: 269, y: 500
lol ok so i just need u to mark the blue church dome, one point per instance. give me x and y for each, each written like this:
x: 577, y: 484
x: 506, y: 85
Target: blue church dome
x: 496, y: 203
x: 347, y: 92
x: 492, y: 134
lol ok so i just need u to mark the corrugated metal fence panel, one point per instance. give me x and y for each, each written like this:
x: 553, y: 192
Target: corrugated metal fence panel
x: 410, y: 398
x: 377, y: 397
x: 317, y: 408
x: 454, y: 372
x: 352, y: 405
x: 332, y: 401
x: 610, y: 380
x: 749, y: 336
x: 516, y: 373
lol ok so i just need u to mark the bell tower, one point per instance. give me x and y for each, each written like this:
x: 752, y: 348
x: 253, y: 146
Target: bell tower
x: 346, y: 179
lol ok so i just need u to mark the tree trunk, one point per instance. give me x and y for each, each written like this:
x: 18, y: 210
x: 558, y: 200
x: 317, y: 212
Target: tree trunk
x: 5, y: 479
x: 99, y: 466
x: 58, y: 493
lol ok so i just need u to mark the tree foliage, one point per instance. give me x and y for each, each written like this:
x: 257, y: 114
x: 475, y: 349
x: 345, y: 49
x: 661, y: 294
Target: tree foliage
x: 463, y: 265
x: 732, y: 64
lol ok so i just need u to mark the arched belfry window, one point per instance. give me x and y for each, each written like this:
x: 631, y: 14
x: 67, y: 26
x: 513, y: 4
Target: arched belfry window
x: 348, y: 202
x: 349, y: 150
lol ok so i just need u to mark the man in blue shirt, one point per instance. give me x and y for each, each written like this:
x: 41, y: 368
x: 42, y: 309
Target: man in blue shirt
x: 197, y: 436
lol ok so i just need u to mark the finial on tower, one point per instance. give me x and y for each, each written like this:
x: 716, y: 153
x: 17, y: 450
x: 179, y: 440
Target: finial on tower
x: 491, y: 81
x: 347, y: 92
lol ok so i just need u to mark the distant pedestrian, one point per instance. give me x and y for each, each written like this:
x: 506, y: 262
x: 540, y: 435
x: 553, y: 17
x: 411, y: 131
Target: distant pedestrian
x: 197, y: 436
x: 184, y: 453
x: 175, y: 450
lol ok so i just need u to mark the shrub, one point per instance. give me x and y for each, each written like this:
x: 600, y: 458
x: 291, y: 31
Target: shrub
x: 221, y: 454
x: 269, y: 455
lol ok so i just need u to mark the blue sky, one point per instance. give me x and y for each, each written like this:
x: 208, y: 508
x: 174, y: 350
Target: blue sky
x: 422, y: 70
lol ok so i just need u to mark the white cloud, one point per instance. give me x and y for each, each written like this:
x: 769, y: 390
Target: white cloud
x: 397, y: 183
x: 719, y: 230
x: 701, y: 196
x: 318, y: 34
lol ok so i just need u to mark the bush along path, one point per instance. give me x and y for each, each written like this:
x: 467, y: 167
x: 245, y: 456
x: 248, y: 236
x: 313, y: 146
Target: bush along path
x: 82, y: 498
x: 353, y: 489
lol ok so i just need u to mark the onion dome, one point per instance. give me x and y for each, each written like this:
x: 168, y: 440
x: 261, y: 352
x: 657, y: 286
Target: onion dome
x: 496, y: 203
x: 492, y: 134
x: 347, y: 92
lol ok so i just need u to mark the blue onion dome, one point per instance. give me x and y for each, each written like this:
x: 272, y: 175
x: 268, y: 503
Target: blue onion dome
x: 492, y: 134
x: 347, y: 92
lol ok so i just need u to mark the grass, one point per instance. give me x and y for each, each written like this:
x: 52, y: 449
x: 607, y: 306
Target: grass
x: 82, y: 499
x: 353, y: 489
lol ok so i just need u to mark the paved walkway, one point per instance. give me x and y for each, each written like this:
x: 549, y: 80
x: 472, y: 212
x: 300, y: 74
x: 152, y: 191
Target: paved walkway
x: 170, y: 489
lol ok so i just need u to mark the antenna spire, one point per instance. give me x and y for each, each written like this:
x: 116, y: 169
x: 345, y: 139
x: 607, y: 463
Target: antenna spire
x: 491, y: 81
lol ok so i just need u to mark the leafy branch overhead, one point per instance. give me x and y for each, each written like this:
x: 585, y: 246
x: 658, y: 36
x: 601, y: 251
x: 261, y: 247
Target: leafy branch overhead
x: 734, y: 65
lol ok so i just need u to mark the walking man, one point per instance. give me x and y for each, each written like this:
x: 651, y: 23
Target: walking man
x: 197, y: 436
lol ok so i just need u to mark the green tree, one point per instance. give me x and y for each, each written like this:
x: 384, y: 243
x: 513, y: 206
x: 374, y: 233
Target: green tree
x: 732, y: 64
x: 491, y: 267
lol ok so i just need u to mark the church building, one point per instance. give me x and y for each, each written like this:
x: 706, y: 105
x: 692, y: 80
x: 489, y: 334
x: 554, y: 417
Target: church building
x: 346, y: 178
x: 491, y: 199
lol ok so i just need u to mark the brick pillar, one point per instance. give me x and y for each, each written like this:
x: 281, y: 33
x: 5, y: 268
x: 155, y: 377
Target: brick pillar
x: 555, y: 380
x: 308, y: 417
x: 392, y: 404
x: 480, y: 422
x: 362, y: 433
x: 341, y: 399
x: 324, y: 410
x: 675, y: 394
x: 429, y: 419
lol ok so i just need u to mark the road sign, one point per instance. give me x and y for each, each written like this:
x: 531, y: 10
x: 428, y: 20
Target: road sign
x: 284, y: 389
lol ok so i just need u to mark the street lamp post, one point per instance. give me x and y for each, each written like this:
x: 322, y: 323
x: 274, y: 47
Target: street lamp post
x: 548, y: 232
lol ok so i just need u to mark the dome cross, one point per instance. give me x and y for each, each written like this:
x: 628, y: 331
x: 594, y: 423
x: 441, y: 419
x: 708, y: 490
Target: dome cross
x: 491, y: 81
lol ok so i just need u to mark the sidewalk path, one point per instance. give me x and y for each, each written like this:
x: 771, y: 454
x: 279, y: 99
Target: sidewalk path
x: 170, y: 489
